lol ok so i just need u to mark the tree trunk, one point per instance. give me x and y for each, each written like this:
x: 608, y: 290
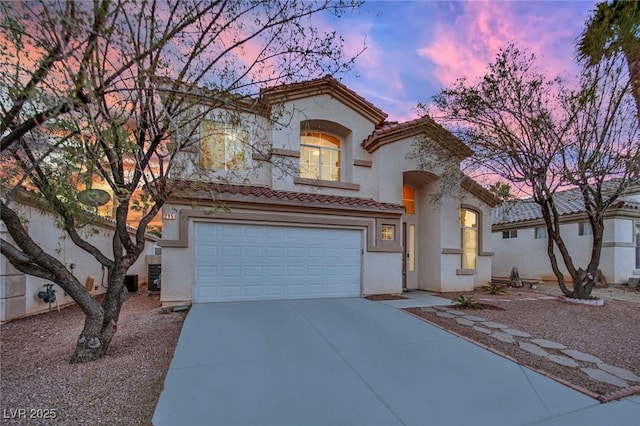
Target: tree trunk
x: 100, y: 327
x: 554, y: 266
x: 94, y: 339
x: 550, y: 216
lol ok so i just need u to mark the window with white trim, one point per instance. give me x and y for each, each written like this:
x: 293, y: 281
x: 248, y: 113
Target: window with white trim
x: 223, y: 146
x: 584, y: 228
x: 469, y: 236
x: 512, y: 233
x: 540, y: 233
x: 388, y: 232
x: 319, y: 156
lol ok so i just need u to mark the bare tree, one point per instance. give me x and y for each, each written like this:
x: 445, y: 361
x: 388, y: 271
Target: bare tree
x: 115, y: 91
x: 541, y: 136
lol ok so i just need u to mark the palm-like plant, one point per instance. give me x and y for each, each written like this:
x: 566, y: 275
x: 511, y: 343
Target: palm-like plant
x: 614, y: 27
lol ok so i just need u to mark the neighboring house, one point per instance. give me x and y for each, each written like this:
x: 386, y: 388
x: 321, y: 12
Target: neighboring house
x: 19, y: 292
x: 330, y: 203
x: 520, y: 238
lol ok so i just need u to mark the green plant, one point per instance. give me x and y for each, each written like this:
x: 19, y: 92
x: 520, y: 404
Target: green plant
x: 493, y: 288
x: 467, y: 302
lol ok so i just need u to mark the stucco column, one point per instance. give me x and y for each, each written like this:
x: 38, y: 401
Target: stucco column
x: 13, y: 285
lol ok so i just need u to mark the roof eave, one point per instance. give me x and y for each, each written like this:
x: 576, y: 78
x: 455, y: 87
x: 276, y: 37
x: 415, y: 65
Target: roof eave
x: 325, y: 86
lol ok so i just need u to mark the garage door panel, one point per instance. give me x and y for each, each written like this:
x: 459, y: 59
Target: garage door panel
x: 295, y: 251
x: 275, y: 252
x: 230, y: 251
x: 232, y: 231
x: 275, y: 271
x: 231, y: 272
x: 252, y: 251
x: 252, y: 262
x: 252, y: 271
x: 295, y: 271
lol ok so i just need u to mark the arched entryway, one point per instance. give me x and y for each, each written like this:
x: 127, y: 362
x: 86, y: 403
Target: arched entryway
x: 415, y: 185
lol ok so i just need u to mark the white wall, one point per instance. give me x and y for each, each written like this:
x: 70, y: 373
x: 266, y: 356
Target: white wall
x: 43, y: 230
x: 529, y: 255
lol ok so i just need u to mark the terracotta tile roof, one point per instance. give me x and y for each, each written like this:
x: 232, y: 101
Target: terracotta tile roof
x: 325, y: 85
x: 568, y: 202
x: 250, y: 193
x: 392, y: 132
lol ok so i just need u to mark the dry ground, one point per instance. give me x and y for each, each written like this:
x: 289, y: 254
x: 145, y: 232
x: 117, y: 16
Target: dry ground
x: 610, y: 332
x: 122, y: 388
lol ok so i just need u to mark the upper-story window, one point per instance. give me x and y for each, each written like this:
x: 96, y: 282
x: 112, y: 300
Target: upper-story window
x: 409, y: 199
x: 223, y: 146
x: 319, y: 156
x: 469, y: 233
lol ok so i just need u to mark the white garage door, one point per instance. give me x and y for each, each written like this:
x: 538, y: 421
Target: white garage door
x: 257, y: 262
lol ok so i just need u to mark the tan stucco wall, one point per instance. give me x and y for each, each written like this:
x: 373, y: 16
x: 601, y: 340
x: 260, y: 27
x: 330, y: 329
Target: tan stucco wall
x: 42, y: 228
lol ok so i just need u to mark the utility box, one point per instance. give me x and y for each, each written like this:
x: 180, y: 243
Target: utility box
x: 131, y: 281
x: 154, y: 271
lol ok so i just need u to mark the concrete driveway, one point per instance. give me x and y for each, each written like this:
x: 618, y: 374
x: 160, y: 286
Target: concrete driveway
x: 354, y: 362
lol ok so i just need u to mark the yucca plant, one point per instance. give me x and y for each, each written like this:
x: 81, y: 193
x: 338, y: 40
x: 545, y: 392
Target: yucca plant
x: 467, y: 302
x: 493, y: 288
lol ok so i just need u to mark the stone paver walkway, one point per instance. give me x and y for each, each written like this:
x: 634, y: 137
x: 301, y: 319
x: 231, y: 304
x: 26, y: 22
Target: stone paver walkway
x: 588, y: 364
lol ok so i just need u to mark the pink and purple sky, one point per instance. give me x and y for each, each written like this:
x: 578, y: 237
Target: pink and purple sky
x: 415, y: 48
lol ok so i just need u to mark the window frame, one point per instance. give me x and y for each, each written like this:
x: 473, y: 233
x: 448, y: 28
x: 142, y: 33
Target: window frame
x: 584, y: 229
x: 473, y: 251
x: 391, y: 236
x: 409, y: 203
x: 538, y: 231
x: 227, y: 134
x: 322, y: 150
x: 509, y: 234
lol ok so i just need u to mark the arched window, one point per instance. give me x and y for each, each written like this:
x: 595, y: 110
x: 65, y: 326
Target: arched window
x: 469, y: 233
x: 319, y: 156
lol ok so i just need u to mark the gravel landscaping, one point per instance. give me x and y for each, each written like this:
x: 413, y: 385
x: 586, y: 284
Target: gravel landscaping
x: 610, y: 333
x: 122, y: 388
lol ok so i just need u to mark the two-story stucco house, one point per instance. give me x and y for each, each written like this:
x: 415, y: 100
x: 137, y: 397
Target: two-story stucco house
x: 327, y: 202
x: 520, y: 238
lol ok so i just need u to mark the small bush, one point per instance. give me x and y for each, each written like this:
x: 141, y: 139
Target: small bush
x: 467, y: 302
x: 493, y: 288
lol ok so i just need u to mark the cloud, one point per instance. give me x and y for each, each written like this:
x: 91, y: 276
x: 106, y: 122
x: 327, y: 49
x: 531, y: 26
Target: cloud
x: 464, y: 47
x: 379, y: 73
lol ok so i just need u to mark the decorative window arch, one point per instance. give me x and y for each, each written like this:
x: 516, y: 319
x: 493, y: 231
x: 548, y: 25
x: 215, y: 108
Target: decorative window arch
x: 469, y: 227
